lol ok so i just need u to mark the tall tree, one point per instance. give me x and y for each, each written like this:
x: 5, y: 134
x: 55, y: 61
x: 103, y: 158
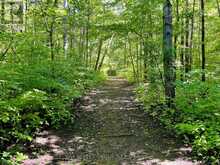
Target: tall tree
x: 177, y: 24
x: 203, y: 39
x: 3, y: 11
x: 218, y: 6
x: 99, y: 54
x: 65, y: 36
x: 192, y: 33
x: 187, y: 28
x: 169, y: 56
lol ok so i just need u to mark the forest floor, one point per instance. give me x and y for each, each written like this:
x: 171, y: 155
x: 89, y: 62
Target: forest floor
x: 111, y: 129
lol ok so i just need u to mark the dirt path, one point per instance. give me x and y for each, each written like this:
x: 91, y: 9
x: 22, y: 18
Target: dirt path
x: 111, y: 130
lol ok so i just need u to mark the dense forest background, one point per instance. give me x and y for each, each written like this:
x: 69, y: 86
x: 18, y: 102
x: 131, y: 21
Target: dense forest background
x: 52, y: 51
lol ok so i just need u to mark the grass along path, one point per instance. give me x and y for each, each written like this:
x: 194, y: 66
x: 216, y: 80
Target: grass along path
x: 111, y: 129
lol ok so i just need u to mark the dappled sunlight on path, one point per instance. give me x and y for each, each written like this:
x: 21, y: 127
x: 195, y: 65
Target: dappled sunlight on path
x: 111, y: 129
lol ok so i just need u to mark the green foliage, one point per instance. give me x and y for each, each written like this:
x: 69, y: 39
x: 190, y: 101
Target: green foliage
x: 39, y: 95
x: 128, y: 74
x: 12, y: 159
x: 151, y: 94
x: 199, y: 121
x: 196, y: 117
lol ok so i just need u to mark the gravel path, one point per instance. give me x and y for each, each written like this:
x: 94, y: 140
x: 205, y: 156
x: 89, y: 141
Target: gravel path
x: 112, y: 129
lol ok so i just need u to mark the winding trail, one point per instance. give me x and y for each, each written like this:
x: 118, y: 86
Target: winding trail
x: 112, y: 129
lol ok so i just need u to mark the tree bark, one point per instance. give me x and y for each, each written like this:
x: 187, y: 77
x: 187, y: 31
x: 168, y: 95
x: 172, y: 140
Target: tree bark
x: 191, y: 35
x: 87, y: 33
x: 99, y: 54
x: 51, y: 43
x: 177, y: 23
x: 187, y: 52
x: 218, y: 6
x: 169, y: 56
x: 203, y: 40
x: 145, y: 60
x: 132, y: 60
x: 105, y: 53
x: 3, y: 12
x: 182, y: 52
x: 65, y: 36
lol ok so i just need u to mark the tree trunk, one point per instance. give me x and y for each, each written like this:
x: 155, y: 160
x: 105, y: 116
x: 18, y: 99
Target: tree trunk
x: 182, y: 52
x: 11, y: 16
x: 169, y: 56
x: 87, y: 33
x: 145, y: 60
x: 51, y: 43
x: 3, y: 12
x: 87, y: 43
x: 187, y: 53
x: 81, y: 43
x: 191, y: 35
x: 132, y: 60
x: 177, y: 24
x: 218, y: 6
x: 99, y: 54
x: 203, y: 40
x: 65, y: 36
x: 25, y: 21
x: 105, y: 53
x: 137, y: 61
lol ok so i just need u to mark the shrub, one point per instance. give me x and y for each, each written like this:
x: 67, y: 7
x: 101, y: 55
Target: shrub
x: 196, y: 117
x: 37, y: 96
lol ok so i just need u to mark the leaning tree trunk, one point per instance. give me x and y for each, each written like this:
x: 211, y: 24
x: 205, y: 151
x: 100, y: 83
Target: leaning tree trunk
x: 169, y: 56
x: 99, y: 54
x: 105, y: 53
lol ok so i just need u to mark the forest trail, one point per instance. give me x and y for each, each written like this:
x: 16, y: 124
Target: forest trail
x: 112, y: 129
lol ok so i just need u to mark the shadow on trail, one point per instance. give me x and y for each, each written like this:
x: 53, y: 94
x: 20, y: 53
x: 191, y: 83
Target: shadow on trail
x: 111, y: 129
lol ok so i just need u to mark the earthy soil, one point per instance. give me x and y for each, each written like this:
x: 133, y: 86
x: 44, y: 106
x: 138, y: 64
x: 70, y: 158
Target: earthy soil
x: 111, y: 129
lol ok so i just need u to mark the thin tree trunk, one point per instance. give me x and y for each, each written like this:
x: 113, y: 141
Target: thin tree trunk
x: 137, y: 61
x: 65, y: 36
x: 191, y: 35
x: 105, y: 53
x: 51, y: 33
x: 102, y: 59
x: 169, y: 56
x: 177, y: 23
x: 51, y: 43
x: 90, y: 55
x: 218, y: 6
x: 99, y: 54
x: 25, y: 21
x: 140, y: 60
x: 87, y: 44
x: 145, y: 60
x: 203, y: 40
x: 11, y: 16
x: 81, y: 43
x: 187, y: 53
x: 182, y: 53
x: 132, y: 61
x: 87, y: 34
x: 3, y: 12
x: 125, y: 56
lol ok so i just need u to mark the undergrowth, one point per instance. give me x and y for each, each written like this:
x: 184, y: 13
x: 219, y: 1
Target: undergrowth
x: 36, y: 96
x: 196, y: 117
